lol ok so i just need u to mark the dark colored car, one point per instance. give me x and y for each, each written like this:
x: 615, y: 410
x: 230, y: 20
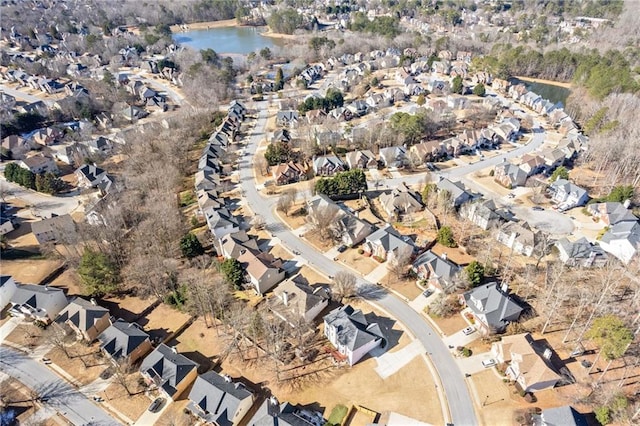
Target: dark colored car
x: 537, y: 208
x: 342, y: 248
x: 156, y: 405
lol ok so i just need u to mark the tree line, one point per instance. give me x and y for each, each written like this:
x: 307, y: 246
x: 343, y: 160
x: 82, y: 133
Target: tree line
x: 47, y: 183
x: 343, y: 183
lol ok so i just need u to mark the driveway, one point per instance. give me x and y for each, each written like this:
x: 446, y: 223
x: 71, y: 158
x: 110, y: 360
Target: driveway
x: 458, y: 398
x: 390, y: 363
x: 549, y: 221
x: 461, y: 339
x: 60, y: 396
x: 42, y: 205
x: 473, y: 364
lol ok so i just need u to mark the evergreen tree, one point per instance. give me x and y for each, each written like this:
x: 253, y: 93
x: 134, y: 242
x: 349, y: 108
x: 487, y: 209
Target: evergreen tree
x: 190, y: 246
x: 99, y: 275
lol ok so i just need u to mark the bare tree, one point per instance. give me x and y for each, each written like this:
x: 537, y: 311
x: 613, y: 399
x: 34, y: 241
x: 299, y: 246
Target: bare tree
x: 344, y: 286
x: 321, y: 220
x: 399, y: 262
x: 286, y: 200
x: 56, y: 336
x: 258, y: 222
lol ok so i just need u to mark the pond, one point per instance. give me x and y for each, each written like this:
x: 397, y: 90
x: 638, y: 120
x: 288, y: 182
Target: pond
x: 548, y: 91
x: 227, y: 40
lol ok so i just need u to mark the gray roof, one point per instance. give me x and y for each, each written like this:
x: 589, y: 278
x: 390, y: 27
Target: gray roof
x: 57, y: 225
x: 459, y: 193
x: 442, y: 269
x: 568, y: 188
x: 167, y: 367
x: 401, y: 199
x: 121, y: 339
x: 580, y: 249
x: 216, y: 398
x: 563, y: 416
x: 629, y: 231
x: 272, y: 413
x: 617, y: 212
x: 82, y: 313
x: 38, y: 297
x: 352, y: 328
x: 391, y: 239
x: 492, y: 304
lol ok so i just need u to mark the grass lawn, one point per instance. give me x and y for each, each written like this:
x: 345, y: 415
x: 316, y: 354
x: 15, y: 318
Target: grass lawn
x: 450, y: 325
x: 132, y: 406
x: 295, y: 219
x: 337, y: 415
x: 17, y: 398
x: 359, y: 262
x: 27, y: 335
x: 69, y: 281
x: 30, y: 271
x: 163, y: 321
x: 84, y: 365
x: 406, y: 286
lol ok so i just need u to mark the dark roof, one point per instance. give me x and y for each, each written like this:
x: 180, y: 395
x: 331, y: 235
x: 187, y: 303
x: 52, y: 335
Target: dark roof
x: 493, y: 304
x: 122, y: 338
x: 352, y: 328
x: 36, y: 296
x: 167, y: 367
x: 82, y: 314
x: 271, y: 413
x: 59, y: 226
x: 563, y: 416
x: 216, y: 398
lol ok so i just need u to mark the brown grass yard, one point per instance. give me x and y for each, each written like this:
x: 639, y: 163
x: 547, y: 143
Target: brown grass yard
x: 29, y: 271
x: 359, y: 262
x: 450, y: 325
x: 281, y: 252
x: 27, y: 335
x: 84, y: 372
x: 70, y: 282
x: 163, y: 321
x: 126, y: 307
x: 295, y: 219
x: 18, y: 396
x: 406, y: 286
x: 132, y: 406
x: 313, y: 276
x: 314, y: 239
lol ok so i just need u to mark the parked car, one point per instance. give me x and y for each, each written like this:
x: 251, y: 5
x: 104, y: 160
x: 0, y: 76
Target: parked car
x: 156, y: 405
x: 488, y: 363
x: 537, y: 208
x: 46, y: 360
x: 467, y: 331
x: 342, y: 248
x: 428, y: 292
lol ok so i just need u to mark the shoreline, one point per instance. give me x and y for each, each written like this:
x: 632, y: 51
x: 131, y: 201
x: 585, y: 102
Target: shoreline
x: 204, y: 25
x: 279, y: 36
x: 543, y: 81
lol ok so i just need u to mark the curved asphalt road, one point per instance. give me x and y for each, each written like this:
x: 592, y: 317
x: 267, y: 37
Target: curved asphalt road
x: 458, y: 397
x: 60, y: 396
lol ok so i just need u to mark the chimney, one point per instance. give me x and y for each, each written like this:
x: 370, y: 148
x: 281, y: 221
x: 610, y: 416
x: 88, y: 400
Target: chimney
x: 174, y: 350
x: 227, y: 378
x: 444, y: 256
x: 505, y: 288
x: 93, y: 301
x: 626, y: 203
x: 285, y: 298
x: 547, y: 354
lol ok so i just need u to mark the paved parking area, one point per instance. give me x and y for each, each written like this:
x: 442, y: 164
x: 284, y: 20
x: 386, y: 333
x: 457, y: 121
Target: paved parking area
x: 390, y: 363
x: 545, y: 220
x: 461, y: 339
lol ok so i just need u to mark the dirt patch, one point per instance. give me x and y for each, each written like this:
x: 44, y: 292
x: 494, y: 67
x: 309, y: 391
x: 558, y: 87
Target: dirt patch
x: 361, y: 263
x: 83, y: 363
x: 450, y: 325
x: 313, y: 276
x: 29, y: 271
x: 314, y: 239
x: 70, y: 282
x: 297, y: 216
x: 457, y: 255
x: 174, y: 415
x: 281, y: 252
x: 26, y: 335
x: 129, y: 308
x: 163, y: 322
x: 405, y: 286
x: 132, y: 406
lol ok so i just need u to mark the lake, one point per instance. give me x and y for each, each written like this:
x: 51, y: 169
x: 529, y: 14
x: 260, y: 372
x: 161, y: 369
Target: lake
x: 227, y: 40
x: 551, y: 92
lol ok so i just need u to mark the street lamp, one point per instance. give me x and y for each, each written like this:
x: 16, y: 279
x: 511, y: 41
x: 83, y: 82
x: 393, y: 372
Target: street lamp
x: 485, y: 401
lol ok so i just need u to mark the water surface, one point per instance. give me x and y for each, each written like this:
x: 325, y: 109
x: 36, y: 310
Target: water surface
x: 234, y: 40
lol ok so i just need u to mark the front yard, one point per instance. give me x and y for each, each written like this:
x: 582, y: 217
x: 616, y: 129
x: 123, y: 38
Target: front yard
x: 84, y: 363
x: 361, y: 263
x: 132, y: 406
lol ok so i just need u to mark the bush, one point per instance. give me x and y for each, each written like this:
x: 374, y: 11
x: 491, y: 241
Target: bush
x: 360, y: 251
x: 492, y: 172
x: 445, y: 237
x: 603, y: 415
x: 190, y: 246
x: 379, y: 259
x: 466, y: 352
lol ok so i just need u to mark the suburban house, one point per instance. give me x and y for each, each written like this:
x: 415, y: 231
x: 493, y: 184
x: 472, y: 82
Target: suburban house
x: 218, y: 400
x: 509, y: 175
x: 437, y: 271
x: 272, y: 413
x: 206, y: 180
x: 361, y: 159
x: 281, y: 135
x: 170, y: 371
x: 85, y: 318
x: 287, y: 118
x: 565, y: 416
x: 528, y: 360
x: 47, y: 136
x: 17, y: 145
x: 611, y: 213
x: 457, y: 191
x: 6, y: 224
x: 521, y: 238
x: 482, y: 213
x: 400, y: 201
x: 210, y: 199
x: 492, y: 307
x: 352, y: 230
x: 264, y: 270
x: 426, y: 152
x: 220, y: 221
x: 290, y: 172
x: 328, y: 165
x: 532, y: 164
x: 567, y: 195
x: 39, y: 163
x: 295, y: 300
x: 89, y: 175
x: 7, y: 289
x: 56, y: 228
x: 580, y: 253
x: 351, y: 334
x: 124, y: 342
x: 622, y: 240
x: 39, y: 303
x: 233, y: 244
x: 393, y: 156
x: 386, y: 243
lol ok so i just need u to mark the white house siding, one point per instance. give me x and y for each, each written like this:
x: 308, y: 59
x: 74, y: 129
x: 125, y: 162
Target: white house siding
x: 6, y: 292
x: 356, y: 355
x: 312, y: 313
x: 622, y: 249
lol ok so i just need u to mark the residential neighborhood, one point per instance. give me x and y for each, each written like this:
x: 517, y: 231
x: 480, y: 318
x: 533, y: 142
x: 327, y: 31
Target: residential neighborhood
x: 319, y: 213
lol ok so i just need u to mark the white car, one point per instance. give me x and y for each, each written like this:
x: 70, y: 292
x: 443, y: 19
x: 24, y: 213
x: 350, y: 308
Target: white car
x: 467, y: 331
x: 488, y: 363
